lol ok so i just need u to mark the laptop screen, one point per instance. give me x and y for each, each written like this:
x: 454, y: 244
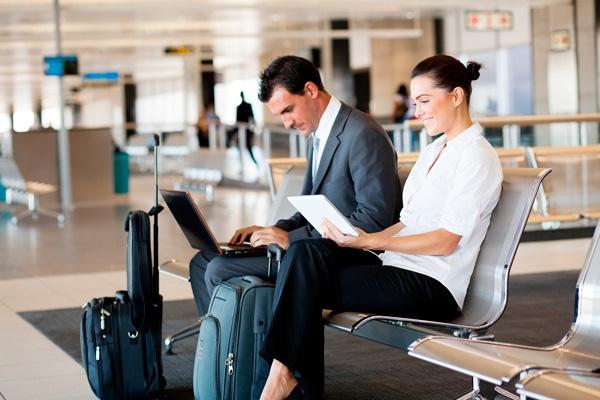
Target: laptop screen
x: 190, y: 220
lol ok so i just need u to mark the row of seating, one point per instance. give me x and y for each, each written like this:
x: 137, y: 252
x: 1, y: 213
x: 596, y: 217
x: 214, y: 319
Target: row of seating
x: 20, y: 191
x: 565, y: 199
x: 488, y: 290
x: 487, y: 297
x: 568, y: 196
x: 568, y: 368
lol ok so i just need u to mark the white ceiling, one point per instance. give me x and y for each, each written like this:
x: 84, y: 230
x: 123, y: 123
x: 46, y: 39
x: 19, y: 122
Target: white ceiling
x: 118, y: 34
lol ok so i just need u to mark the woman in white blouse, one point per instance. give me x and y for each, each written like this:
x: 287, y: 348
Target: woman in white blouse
x: 428, y: 255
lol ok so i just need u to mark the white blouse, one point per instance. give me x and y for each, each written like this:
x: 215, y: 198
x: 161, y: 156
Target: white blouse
x: 458, y: 194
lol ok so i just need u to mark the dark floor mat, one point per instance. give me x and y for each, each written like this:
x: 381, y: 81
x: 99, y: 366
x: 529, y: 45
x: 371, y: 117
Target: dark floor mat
x: 539, y: 312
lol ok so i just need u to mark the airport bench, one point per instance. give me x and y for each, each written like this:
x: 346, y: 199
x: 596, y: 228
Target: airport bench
x: 138, y: 148
x: 488, y: 290
x: 203, y: 172
x: 503, y: 363
x: 521, y: 157
x: 181, y: 271
x: 21, y: 191
x: 568, y: 195
x: 176, y: 147
x: 509, y: 158
x: 560, y: 384
x: 490, y: 276
x: 278, y: 168
x: 287, y: 184
x: 201, y: 180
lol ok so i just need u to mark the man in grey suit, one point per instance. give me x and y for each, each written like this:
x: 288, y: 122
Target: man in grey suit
x: 350, y: 160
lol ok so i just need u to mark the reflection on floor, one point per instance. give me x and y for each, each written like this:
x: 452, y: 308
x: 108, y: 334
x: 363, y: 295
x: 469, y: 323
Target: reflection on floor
x: 45, y: 267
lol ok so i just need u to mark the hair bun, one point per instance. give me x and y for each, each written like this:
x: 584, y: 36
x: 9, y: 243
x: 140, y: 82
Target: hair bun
x: 473, y: 70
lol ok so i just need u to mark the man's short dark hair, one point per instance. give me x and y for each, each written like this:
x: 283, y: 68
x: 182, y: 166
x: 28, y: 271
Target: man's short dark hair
x: 289, y: 72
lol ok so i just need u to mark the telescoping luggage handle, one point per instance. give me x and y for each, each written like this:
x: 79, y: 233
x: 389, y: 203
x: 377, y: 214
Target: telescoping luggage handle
x: 154, y: 211
x: 274, y: 251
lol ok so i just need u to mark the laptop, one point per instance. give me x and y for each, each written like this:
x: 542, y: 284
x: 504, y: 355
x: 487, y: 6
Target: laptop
x: 196, y: 229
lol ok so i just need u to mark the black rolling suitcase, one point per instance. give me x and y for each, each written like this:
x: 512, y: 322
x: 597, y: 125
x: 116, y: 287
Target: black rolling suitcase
x: 121, y: 335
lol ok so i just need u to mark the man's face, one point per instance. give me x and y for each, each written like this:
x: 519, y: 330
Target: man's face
x: 297, y: 111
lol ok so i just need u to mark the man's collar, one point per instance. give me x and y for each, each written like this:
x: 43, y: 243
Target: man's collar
x: 328, y: 118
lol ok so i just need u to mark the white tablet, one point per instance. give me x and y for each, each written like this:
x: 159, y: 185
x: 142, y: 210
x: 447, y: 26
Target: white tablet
x: 316, y: 207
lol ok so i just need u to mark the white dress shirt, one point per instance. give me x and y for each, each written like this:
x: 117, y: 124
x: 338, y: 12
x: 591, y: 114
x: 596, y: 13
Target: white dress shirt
x: 458, y: 194
x: 324, y: 128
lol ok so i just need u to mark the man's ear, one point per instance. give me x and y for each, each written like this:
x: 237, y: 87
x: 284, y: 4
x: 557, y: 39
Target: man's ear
x: 311, y: 89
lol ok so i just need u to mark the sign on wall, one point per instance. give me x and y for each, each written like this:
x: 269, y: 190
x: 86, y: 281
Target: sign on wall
x: 481, y: 20
x: 560, y: 40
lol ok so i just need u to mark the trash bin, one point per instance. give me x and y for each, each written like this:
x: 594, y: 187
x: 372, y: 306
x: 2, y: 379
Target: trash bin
x: 121, y: 172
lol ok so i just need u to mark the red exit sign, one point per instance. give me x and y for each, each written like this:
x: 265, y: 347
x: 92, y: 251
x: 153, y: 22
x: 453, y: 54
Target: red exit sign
x: 488, y: 20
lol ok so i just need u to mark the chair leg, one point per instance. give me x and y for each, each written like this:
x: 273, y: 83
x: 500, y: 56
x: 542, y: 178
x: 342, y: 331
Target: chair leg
x: 474, y: 394
x: 17, y: 217
x: 34, y: 210
x: 181, y: 334
x: 60, y: 218
x: 52, y: 214
x: 506, y: 394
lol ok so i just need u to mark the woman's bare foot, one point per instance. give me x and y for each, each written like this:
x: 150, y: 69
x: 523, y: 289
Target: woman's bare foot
x: 280, y: 383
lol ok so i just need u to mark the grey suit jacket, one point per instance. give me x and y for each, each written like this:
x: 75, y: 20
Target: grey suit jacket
x: 357, y: 173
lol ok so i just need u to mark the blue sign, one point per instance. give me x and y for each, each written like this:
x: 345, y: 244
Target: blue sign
x: 61, y: 65
x: 101, y: 76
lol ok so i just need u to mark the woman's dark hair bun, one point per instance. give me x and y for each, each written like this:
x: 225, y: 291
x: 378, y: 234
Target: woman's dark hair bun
x: 448, y: 73
x: 473, y: 70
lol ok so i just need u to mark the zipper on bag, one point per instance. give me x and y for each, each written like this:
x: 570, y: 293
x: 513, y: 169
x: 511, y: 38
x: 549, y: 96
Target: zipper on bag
x: 229, y: 364
x: 101, y: 382
x: 103, y: 315
x: 229, y: 360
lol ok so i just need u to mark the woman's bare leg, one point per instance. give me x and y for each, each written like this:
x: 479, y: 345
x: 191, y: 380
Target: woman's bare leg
x: 280, y: 383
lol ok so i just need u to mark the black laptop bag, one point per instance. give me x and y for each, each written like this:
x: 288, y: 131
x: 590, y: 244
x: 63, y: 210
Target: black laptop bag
x: 121, y: 335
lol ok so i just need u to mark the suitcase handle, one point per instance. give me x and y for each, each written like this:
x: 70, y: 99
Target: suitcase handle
x: 122, y: 296
x: 154, y: 211
x: 274, y: 251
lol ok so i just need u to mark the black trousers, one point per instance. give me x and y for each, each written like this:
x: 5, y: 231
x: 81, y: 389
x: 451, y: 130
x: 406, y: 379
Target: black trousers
x: 208, y: 270
x: 232, y: 134
x: 317, y: 274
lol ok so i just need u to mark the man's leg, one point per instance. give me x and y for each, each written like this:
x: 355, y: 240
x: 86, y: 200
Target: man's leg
x: 250, y: 143
x: 220, y: 269
x: 198, y: 266
x: 208, y: 270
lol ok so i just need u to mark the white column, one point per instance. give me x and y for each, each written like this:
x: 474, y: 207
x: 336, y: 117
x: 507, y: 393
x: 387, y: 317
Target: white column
x: 64, y: 168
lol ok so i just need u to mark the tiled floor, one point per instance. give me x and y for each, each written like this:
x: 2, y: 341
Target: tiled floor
x: 45, y: 267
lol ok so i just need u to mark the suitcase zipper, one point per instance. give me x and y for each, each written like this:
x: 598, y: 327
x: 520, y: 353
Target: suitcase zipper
x: 103, y: 315
x: 229, y: 364
x: 229, y: 361
x: 101, y: 382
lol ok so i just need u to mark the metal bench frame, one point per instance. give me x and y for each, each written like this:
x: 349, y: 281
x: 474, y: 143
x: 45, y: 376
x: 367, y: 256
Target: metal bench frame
x: 560, y: 384
x: 490, y: 275
x: 20, y: 191
x: 503, y: 363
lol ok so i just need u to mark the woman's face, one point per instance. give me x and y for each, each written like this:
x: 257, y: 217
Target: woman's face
x: 434, y: 106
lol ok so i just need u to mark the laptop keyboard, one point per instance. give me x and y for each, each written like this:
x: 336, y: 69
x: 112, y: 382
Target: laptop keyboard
x: 227, y: 246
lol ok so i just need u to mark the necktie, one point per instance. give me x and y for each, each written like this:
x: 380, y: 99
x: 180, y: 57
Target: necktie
x: 315, y: 157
